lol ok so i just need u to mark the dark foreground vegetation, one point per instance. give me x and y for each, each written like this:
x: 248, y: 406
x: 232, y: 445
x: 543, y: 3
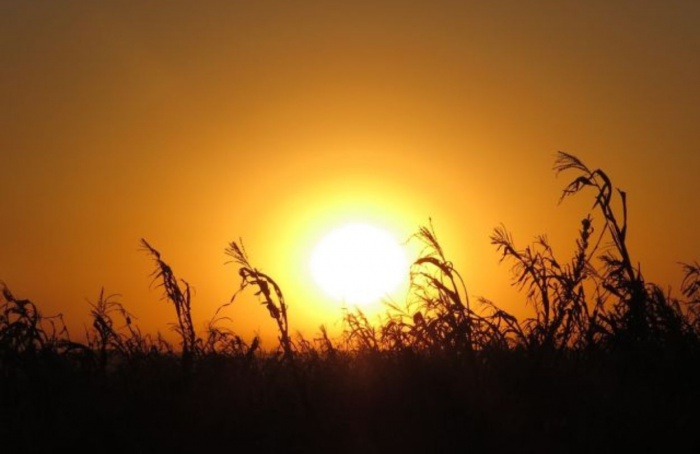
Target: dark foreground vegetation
x: 606, y: 362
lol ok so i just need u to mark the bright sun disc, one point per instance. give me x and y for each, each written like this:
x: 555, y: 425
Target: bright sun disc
x: 358, y: 264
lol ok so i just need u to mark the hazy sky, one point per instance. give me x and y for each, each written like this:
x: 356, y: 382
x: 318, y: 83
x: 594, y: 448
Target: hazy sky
x: 195, y: 123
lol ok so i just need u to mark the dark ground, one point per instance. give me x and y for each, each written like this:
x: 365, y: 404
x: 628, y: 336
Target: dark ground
x: 374, y: 402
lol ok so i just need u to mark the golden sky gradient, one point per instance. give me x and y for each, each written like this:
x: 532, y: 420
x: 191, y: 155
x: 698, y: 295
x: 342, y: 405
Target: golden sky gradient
x: 192, y: 124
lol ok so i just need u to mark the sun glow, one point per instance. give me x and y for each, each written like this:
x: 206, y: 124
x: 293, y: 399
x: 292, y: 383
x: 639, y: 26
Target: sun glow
x: 358, y: 264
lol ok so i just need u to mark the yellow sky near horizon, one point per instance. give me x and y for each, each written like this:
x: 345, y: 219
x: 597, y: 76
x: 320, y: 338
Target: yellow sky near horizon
x: 195, y: 124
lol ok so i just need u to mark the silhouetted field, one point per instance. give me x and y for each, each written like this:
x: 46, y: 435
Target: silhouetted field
x: 607, y: 362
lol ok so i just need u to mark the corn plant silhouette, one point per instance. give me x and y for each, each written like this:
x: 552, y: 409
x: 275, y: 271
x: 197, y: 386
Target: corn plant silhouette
x: 20, y: 326
x: 438, y: 318
x: 221, y: 340
x: 181, y: 300
x: 268, y: 290
x: 691, y: 289
x: 26, y: 336
x: 359, y: 333
x: 642, y: 313
x: 563, y: 317
x: 446, y: 318
x: 108, y: 339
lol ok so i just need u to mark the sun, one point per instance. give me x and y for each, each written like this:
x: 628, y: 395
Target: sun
x: 359, y: 264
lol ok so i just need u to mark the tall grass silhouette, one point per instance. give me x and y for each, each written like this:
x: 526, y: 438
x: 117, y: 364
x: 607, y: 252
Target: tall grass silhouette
x: 180, y: 297
x: 268, y: 290
x: 604, y: 352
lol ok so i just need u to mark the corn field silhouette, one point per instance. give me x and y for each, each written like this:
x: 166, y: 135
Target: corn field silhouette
x: 606, y: 361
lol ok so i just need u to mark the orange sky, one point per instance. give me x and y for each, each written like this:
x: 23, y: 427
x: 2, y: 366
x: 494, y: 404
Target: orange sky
x: 195, y: 123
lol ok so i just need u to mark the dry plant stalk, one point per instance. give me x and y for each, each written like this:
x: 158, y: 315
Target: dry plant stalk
x: 181, y: 300
x: 643, y: 314
x: 267, y: 287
